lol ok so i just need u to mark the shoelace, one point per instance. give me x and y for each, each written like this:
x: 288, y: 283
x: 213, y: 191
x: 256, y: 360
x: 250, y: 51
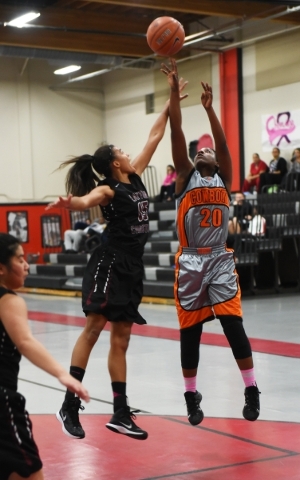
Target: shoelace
x: 252, y: 399
x: 192, y: 405
x: 74, y: 407
x: 132, y: 413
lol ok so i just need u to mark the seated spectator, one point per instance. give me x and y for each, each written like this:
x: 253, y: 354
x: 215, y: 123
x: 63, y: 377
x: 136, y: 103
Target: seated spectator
x: 73, y: 238
x: 277, y: 171
x: 167, y: 189
x: 242, y: 214
x: 257, y: 225
x: 257, y: 167
x: 292, y: 179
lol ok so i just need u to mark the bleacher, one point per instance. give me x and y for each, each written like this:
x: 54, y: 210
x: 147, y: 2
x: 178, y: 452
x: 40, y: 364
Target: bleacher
x: 265, y: 263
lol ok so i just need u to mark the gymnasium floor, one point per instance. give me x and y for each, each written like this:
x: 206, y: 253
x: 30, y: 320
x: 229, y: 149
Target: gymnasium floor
x: 224, y: 446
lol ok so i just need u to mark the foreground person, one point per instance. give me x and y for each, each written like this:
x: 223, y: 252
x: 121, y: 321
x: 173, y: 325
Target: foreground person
x: 19, y: 455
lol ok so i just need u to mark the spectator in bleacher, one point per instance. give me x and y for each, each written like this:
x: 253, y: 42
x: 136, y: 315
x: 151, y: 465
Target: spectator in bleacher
x: 292, y: 179
x: 242, y: 214
x: 112, y: 287
x: 207, y: 285
x: 257, y: 225
x: 277, y: 171
x: 257, y: 167
x: 73, y: 239
x: 295, y: 161
x: 167, y: 189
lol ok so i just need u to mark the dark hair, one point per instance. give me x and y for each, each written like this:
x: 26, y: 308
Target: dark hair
x: 172, y: 167
x: 81, y: 178
x: 8, y: 247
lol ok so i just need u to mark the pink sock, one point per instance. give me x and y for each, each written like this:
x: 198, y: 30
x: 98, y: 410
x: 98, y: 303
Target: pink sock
x: 190, y: 384
x: 249, y: 377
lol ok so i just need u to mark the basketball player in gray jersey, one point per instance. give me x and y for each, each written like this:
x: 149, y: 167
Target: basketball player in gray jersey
x: 206, y: 283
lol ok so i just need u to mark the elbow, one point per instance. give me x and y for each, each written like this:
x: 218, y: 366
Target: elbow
x: 25, y: 345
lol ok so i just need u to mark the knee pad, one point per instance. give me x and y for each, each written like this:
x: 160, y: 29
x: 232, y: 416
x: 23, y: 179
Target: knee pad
x: 236, y: 336
x: 189, y: 346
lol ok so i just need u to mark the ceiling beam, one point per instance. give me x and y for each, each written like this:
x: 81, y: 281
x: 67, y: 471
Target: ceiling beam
x: 76, y: 42
x: 236, y: 8
x: 81, y: 20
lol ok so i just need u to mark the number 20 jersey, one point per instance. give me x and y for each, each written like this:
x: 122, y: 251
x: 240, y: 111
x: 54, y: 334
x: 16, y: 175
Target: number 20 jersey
x: 203, y: 212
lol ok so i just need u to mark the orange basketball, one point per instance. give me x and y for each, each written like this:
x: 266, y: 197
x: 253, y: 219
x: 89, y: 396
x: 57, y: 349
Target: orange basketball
x: 165, y: 36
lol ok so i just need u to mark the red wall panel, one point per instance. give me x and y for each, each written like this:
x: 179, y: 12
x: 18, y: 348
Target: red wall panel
x: 229, y: 77
x: 34, y: 213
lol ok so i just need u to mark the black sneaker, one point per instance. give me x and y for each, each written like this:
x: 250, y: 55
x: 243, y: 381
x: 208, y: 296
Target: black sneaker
x: 121, y: 422
x: 251, y: 408
x: 69, y: 418
x: 195, y: 414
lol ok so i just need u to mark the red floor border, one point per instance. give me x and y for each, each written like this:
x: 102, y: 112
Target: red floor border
x: 272, y: 347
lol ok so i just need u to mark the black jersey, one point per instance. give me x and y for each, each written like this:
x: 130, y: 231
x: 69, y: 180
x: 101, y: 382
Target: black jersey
x: 127, y: 215
x: 9, y: 355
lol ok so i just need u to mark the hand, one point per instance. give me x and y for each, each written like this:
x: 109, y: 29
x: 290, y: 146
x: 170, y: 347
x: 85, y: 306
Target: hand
x: 172, y: 74
x: 207, y: 96
x: 60, y: 202
x: 74, y: 386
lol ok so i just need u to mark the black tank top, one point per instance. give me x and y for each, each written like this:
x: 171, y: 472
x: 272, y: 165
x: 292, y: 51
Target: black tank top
x: 127, y: 215
x: 9, y: 355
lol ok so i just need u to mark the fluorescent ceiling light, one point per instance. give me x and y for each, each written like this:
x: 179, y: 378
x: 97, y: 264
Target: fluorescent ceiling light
x: 89, y: 75
x: 69, y: 69
x: 23, y: 20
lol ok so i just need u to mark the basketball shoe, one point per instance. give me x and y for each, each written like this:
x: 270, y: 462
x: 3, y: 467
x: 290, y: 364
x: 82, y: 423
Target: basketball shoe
x: 195, y: 414
x: 69, y: 418
x: 122, y: 422
x: 252, y: 407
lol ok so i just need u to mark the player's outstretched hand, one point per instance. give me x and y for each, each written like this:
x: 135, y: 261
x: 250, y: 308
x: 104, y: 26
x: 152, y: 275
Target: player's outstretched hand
x: 173, y: 80
x: 207, y: 96
x: 74, y: 386
x: 64, y: 202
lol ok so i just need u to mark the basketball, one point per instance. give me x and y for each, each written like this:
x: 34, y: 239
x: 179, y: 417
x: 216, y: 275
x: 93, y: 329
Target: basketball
x: 165, y: 36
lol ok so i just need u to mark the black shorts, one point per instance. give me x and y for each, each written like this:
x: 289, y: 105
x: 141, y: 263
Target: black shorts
x: 18, y: 450
x: 113, y: 285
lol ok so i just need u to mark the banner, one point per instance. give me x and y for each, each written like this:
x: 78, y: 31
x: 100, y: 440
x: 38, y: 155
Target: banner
x: 281, y: 130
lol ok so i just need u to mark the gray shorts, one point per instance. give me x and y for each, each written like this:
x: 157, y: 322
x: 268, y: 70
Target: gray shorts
x: 206, y: 285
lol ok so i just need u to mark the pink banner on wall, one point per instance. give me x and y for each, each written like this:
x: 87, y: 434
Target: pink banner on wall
x: 281, y: 129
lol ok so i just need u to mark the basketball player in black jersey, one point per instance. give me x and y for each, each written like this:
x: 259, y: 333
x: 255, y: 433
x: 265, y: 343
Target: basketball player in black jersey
x: 113, y: 281
x: 19, y: 455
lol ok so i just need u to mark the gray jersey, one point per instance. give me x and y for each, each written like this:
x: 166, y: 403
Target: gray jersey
x: 203, y: 212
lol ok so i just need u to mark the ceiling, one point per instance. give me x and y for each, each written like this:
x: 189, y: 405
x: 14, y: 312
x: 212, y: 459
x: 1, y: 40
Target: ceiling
x: 111, y: 34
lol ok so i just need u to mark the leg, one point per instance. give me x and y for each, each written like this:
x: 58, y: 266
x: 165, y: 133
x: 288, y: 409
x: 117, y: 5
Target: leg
x: 87, y: 339
x: 246, y: 186
x: 241, y: 349
x: 35, y: 476
x: 68, y: 239
x: 68, y: 414
x: 121, y: 421
x: 234, y: 226
x: 163, y: 190
x: 189, y: 345
x: 77, y: 239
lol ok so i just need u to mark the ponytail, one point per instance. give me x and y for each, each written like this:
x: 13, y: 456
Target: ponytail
x: 81, y: 178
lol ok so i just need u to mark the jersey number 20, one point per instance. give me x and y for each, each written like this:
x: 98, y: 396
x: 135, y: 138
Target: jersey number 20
x: 211, y: 218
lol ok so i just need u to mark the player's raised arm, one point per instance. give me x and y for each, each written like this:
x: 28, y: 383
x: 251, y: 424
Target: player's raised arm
x: 181, y: 160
